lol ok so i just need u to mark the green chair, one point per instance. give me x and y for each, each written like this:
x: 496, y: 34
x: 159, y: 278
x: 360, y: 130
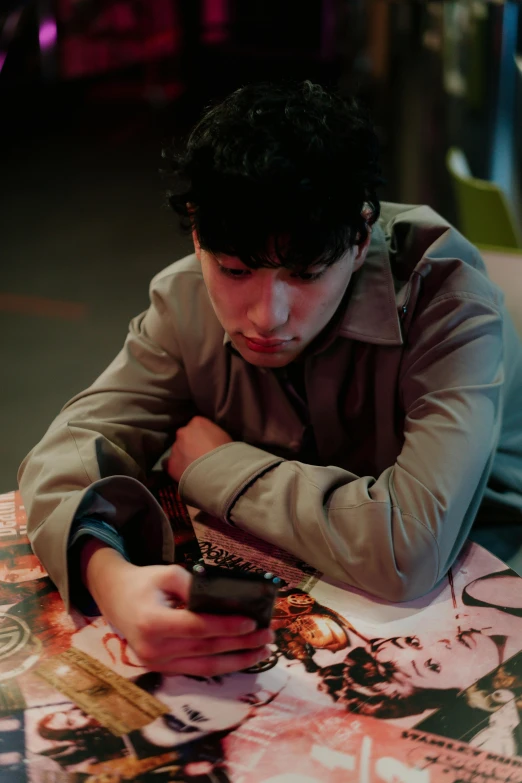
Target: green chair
x: 484, y: 213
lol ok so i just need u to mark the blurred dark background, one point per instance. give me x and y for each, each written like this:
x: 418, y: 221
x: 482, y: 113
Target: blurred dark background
x: 90, y: 91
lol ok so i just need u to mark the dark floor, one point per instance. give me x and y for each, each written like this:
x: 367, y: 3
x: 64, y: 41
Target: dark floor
x: 83, y: 228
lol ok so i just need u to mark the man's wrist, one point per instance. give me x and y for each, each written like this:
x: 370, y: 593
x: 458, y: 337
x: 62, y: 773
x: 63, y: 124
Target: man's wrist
x: 99, y: 564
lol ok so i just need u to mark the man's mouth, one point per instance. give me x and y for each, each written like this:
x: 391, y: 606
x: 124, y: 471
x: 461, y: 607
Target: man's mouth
x: 265, y: 346
x: 261, y: 341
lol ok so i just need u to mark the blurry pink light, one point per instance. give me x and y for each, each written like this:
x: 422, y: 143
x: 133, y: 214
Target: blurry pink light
x: 47, y: 34
x: 215, y: 12
x: 215, y: 19
x: 2, y: 59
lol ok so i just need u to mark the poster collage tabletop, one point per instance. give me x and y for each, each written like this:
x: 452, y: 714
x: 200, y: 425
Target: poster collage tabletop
x: 355, y: 689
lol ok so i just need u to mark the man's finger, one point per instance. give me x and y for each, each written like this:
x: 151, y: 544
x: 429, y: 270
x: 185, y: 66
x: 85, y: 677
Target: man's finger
x: 175, y: 580
x: 165, y: 652
x: 163, y: 623
x: 215, y: 665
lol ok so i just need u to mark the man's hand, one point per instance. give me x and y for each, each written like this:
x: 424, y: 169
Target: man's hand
x: 138, y: 601
x: 198, y: 438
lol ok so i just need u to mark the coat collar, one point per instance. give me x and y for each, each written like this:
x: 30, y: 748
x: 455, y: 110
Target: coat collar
x: 369, y: 312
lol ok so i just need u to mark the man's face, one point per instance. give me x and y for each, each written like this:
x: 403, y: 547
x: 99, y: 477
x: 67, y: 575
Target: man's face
x: 273, y: 314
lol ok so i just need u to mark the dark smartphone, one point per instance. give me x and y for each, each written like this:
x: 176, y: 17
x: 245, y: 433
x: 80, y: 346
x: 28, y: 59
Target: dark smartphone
x: 225, y: 591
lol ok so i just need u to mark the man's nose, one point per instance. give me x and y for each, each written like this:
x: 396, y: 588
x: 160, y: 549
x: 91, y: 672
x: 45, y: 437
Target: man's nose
x: 271, y: 308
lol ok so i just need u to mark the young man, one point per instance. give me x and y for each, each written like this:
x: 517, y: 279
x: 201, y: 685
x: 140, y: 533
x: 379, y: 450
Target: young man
x: 340, y: 382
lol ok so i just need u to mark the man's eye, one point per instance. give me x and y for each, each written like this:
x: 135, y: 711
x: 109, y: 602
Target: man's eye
x: 309, y: 277
x: 413, y: 641
x: 434, y: 666
x: 236, y: 273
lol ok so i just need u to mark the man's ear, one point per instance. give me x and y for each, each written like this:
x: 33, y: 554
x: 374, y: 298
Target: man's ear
x: 197, y: 246
x: 361, y: 251
x: 195, y: 238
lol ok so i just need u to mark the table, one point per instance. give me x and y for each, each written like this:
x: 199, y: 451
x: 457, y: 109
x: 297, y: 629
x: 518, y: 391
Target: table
x: 355, y: 689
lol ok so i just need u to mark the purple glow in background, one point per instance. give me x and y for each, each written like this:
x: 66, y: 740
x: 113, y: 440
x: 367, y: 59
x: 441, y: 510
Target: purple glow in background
x: 47, y: 33
x: 9, y: 30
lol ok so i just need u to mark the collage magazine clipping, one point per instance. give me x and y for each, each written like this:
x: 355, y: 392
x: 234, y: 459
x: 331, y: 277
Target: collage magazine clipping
x: 354, y: 689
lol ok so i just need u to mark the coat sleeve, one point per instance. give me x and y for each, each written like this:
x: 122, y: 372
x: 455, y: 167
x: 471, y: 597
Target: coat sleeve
x: 394, y: 535
x: 104, y: 442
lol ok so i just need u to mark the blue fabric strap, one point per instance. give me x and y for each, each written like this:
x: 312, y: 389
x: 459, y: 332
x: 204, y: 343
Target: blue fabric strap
x: 88, y: 526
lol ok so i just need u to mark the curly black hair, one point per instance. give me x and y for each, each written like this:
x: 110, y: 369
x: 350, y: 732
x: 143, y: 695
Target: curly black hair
x: 279, y: 174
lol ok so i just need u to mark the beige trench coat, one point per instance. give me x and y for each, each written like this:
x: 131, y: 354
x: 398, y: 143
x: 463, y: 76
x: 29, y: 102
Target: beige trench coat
x: 413, y: 397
